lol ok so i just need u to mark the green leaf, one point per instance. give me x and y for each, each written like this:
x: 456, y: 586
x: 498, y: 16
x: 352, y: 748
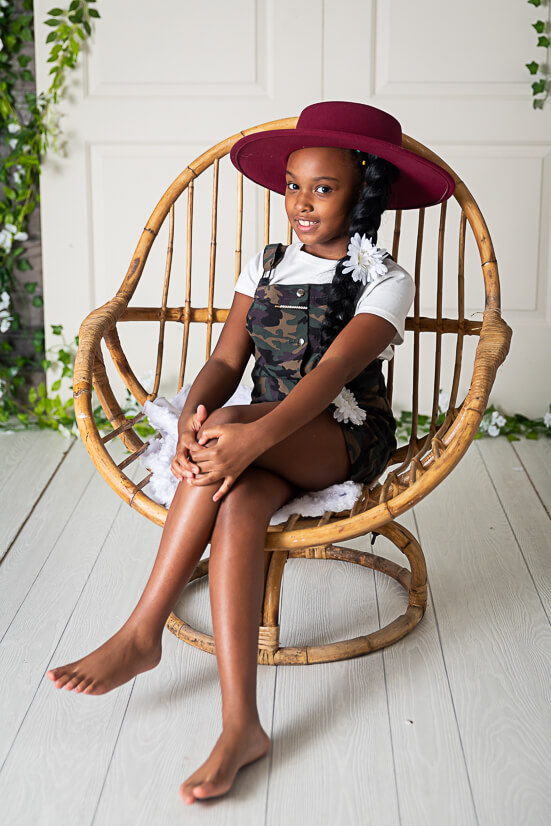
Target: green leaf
x: 51, y: 22
x: 56, y: 385
x: 93, y: 13
x: 535, y: 3
x: 37, y: 301
x: 539, y: 26
x: 26, y: 35
x: 74, y: 5
x: 23, y: 264
x: 512, y: 438
x: 57, y: 329
x: 55, y: 12
x: 26, y: 76
x: 24, y: 60
x: 32, y: 395
x: 538, y: 87
x: 9, y: 193
x: 544, y: 42
x: 87, y: 27
x: 51, y: 37
x: 538, y: 103
x: 30, y: 286
x: 531, y: 434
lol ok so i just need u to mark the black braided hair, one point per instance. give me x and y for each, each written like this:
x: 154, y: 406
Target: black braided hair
x: 377, y: 177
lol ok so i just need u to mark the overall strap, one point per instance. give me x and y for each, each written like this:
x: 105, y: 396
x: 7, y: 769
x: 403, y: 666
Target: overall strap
x: 273, y: 254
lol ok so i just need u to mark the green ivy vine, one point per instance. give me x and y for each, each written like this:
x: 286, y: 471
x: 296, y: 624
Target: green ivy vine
x: 29, y: 127
x: 541, y: 86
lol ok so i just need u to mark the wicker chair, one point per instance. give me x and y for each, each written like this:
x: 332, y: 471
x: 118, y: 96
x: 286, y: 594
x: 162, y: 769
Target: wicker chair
x: 415, y: 469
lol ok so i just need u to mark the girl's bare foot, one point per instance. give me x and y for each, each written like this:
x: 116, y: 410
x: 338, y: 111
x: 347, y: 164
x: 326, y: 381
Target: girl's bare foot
x: 109, y: 666
x: 234, y: 749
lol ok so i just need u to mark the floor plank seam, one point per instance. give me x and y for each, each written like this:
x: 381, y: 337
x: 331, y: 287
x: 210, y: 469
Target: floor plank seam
x: 391, y: 738
x: 108, y: 769
x: 519, y: 546
x: 54, y: 543
x: 437, y: 626
x: 33, y: 508
x: 40, y: 682
x: 531, y: 480
x: 271, y: 760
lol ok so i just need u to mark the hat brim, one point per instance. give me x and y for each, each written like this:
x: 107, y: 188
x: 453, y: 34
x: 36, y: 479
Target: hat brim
x: 262, y: 157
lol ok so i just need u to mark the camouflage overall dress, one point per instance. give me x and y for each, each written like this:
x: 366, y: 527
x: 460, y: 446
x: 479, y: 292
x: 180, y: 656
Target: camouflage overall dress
x: 284, y: 322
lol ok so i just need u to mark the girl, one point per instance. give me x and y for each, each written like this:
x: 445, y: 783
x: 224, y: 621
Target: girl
x: 319, y: 317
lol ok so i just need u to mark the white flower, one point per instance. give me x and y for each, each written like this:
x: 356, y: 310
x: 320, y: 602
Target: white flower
x: 365, y: 260
x: 20, y: 236
x: 13, y: 143
x: 1, y: 44
x: 14, y: 128
x: 4, y: 3
x: 547, y: 419
x: 498, y: 419
x: 4, y: 300
x: 6, y: 239
x: 348, y: 409
x: 493, y: 430
x: 484, y: 425
x: 5, y: 322
x: 443, y: 401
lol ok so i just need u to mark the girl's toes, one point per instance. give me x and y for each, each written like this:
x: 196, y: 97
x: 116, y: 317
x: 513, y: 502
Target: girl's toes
x: 62, y: 680
x: 73, y: 682
x: 187, y: 794
x: 83, y: 685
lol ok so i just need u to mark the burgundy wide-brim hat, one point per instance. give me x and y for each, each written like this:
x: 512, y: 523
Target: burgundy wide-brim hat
x: 262, y: 156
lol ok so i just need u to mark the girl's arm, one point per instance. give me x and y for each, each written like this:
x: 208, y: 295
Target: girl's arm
x: 215, y: 383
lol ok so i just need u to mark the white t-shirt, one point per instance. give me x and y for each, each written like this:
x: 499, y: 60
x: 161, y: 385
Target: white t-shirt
x: 390, y: 296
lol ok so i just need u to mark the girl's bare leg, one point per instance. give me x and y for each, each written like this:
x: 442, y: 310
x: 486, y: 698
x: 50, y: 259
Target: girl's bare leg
x: 236, y: 583
x: 236, y: 571
x: 136, y: 647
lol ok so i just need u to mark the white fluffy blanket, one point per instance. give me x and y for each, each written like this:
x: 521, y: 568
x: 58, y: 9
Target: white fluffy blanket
x: 164, y: 414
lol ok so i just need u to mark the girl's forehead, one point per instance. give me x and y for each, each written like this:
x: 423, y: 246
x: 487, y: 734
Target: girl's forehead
x: 321, y: 158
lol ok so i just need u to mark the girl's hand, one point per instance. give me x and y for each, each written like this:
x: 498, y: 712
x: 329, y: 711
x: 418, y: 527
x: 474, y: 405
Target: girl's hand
x: 223, y: 452
x: 182, y: 465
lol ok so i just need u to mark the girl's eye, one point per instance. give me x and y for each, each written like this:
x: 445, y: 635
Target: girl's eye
x: 324, y: 189
x: 291, y: 185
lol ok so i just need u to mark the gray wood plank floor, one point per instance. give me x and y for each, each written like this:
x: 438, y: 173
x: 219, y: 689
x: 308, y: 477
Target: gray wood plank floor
x: 449, y: 727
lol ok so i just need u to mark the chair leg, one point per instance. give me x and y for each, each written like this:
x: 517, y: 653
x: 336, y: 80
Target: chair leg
x: 413, y: 581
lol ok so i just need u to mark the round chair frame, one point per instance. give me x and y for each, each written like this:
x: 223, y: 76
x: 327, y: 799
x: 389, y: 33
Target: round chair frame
x: 423, y: 463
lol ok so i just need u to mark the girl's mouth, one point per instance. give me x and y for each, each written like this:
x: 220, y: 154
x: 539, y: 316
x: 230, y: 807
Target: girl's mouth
x: 306, y: 225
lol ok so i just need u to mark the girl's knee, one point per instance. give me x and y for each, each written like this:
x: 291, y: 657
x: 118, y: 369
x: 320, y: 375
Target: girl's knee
x: 223, y: 415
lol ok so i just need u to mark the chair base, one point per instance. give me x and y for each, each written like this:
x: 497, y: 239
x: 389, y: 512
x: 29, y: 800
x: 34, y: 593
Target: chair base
x: 413, y: 581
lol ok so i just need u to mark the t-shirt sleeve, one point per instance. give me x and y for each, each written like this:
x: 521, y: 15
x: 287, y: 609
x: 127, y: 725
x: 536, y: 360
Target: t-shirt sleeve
x: 250, y: 276
x: 389, y: 298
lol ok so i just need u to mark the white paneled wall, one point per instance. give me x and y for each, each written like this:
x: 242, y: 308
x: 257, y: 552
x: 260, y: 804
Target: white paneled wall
x: 162, y: 83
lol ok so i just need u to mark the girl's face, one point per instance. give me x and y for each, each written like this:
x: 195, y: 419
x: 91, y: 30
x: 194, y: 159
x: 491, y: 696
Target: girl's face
x: 322, y: 187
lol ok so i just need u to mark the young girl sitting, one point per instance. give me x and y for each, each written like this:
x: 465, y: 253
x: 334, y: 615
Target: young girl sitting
x: 319, y: 316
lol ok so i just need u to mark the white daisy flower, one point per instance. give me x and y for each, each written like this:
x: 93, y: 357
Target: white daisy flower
x: 14, y: 128
x: 4, y: 300
x: 493, y: 430
x: 547, y: 419
x: 348, y: 409
x: 498, y: 419
x: 365, y: 260
x: 6, y: 239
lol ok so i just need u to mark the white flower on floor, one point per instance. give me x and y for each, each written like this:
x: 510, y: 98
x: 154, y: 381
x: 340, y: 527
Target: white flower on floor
x: 443, y: 401
x: 547, y: 419
x: 365, y: 260
x: 348, y: 409
x: 493, y: 430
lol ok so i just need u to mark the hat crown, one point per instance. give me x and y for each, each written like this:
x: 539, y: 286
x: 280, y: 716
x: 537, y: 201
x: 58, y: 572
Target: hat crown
x: 354, y: 118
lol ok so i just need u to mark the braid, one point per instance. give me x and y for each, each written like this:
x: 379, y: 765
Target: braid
x: 377, y: 176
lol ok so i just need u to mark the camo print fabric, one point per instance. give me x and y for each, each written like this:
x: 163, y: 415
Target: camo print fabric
x: 284, y: 322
